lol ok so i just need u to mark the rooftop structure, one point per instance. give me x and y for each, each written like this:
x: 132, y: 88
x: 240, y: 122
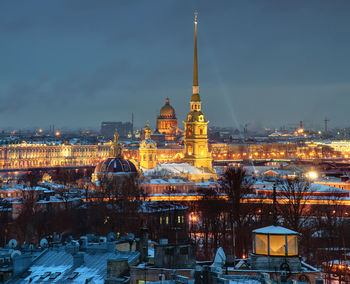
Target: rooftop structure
x: 90, y: 260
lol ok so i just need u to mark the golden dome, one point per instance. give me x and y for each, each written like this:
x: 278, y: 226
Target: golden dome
x: 167, y: 111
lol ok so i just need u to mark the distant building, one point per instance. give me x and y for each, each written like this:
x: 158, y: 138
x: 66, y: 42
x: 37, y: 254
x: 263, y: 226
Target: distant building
x: 167, y: 122
x: 125, y: 129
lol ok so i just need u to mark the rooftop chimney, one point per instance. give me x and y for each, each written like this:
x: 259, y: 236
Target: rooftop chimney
x: 78, y: 259
x: 144, y: 244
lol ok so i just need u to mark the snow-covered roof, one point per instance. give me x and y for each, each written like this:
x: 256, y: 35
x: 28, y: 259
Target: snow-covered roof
x: 315, y: 187
x: 58, y: 266
x: 275, y: 230
x: 207, y: 183
x: 166, y: 181
x: 331, y: 179
x: 258, y: 169
x: 173, y: 169
x: 23, y: 187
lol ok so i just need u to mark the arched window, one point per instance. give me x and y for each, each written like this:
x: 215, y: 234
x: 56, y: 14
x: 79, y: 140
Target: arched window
x: 189, y: 149
x: 190, y: 131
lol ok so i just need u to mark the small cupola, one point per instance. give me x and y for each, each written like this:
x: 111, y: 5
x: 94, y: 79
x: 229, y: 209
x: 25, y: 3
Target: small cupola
x: 275, y: 241
x: 275, y: 248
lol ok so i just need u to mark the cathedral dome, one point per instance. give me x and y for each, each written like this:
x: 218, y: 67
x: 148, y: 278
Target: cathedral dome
x: 167, y: 111
x: 116, y: 165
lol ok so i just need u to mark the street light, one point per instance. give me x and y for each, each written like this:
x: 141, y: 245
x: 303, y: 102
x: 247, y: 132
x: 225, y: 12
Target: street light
x: 312, y: 175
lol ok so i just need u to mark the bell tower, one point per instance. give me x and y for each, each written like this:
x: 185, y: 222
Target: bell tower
x: 148, y: 150
x: 196, y: 137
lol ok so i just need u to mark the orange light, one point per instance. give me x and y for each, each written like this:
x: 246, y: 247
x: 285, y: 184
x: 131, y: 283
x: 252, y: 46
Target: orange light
x: 58, y: 133
x: 193, y: 218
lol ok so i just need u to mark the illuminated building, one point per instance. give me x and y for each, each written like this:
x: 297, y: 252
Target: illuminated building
x: 342, y: 182
x: 164, y: 155
x: 24, y: 156
x: 167, y: 185
x: 196, y: 138
x: 148, y: 151
x: 114, y: 167
x: 167, y: 122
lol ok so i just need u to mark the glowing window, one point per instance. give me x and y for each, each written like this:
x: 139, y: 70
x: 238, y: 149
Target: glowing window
x: 261, y: 244
x: 277, y: 245
x: 292, y: 245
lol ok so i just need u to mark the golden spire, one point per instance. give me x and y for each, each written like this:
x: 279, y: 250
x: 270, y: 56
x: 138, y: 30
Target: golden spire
x: 147, y: 131
x: 195, y: 63
x: 116, y: 136
x: 116, y: 147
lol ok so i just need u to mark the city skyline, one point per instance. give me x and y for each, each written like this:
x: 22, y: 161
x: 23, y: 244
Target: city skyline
x: 266, y: 64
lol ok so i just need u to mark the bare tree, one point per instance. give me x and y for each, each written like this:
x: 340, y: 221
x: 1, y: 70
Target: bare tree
x: 24, y: 227
x: 119, y: 200
x: 237, y: 185
x: 330, y: 243
x: 292, y: 202
x: 31, y: 178
x: 5, y: 219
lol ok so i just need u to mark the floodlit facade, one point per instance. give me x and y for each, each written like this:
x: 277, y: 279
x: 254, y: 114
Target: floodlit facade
x: 22, y: 156
x: 148, y: 151
x: 196, y: 137
x: 167, y: 122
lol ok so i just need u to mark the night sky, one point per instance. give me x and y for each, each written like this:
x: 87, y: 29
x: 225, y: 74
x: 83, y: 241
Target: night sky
x: 266, y: 63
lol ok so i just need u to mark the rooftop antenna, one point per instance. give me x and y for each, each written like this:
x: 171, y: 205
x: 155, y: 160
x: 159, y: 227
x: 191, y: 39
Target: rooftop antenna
x: 132, y: 126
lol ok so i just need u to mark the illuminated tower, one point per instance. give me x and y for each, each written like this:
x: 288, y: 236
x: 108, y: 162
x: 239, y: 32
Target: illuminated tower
x: 196, y: 138
x: 148, y: 150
